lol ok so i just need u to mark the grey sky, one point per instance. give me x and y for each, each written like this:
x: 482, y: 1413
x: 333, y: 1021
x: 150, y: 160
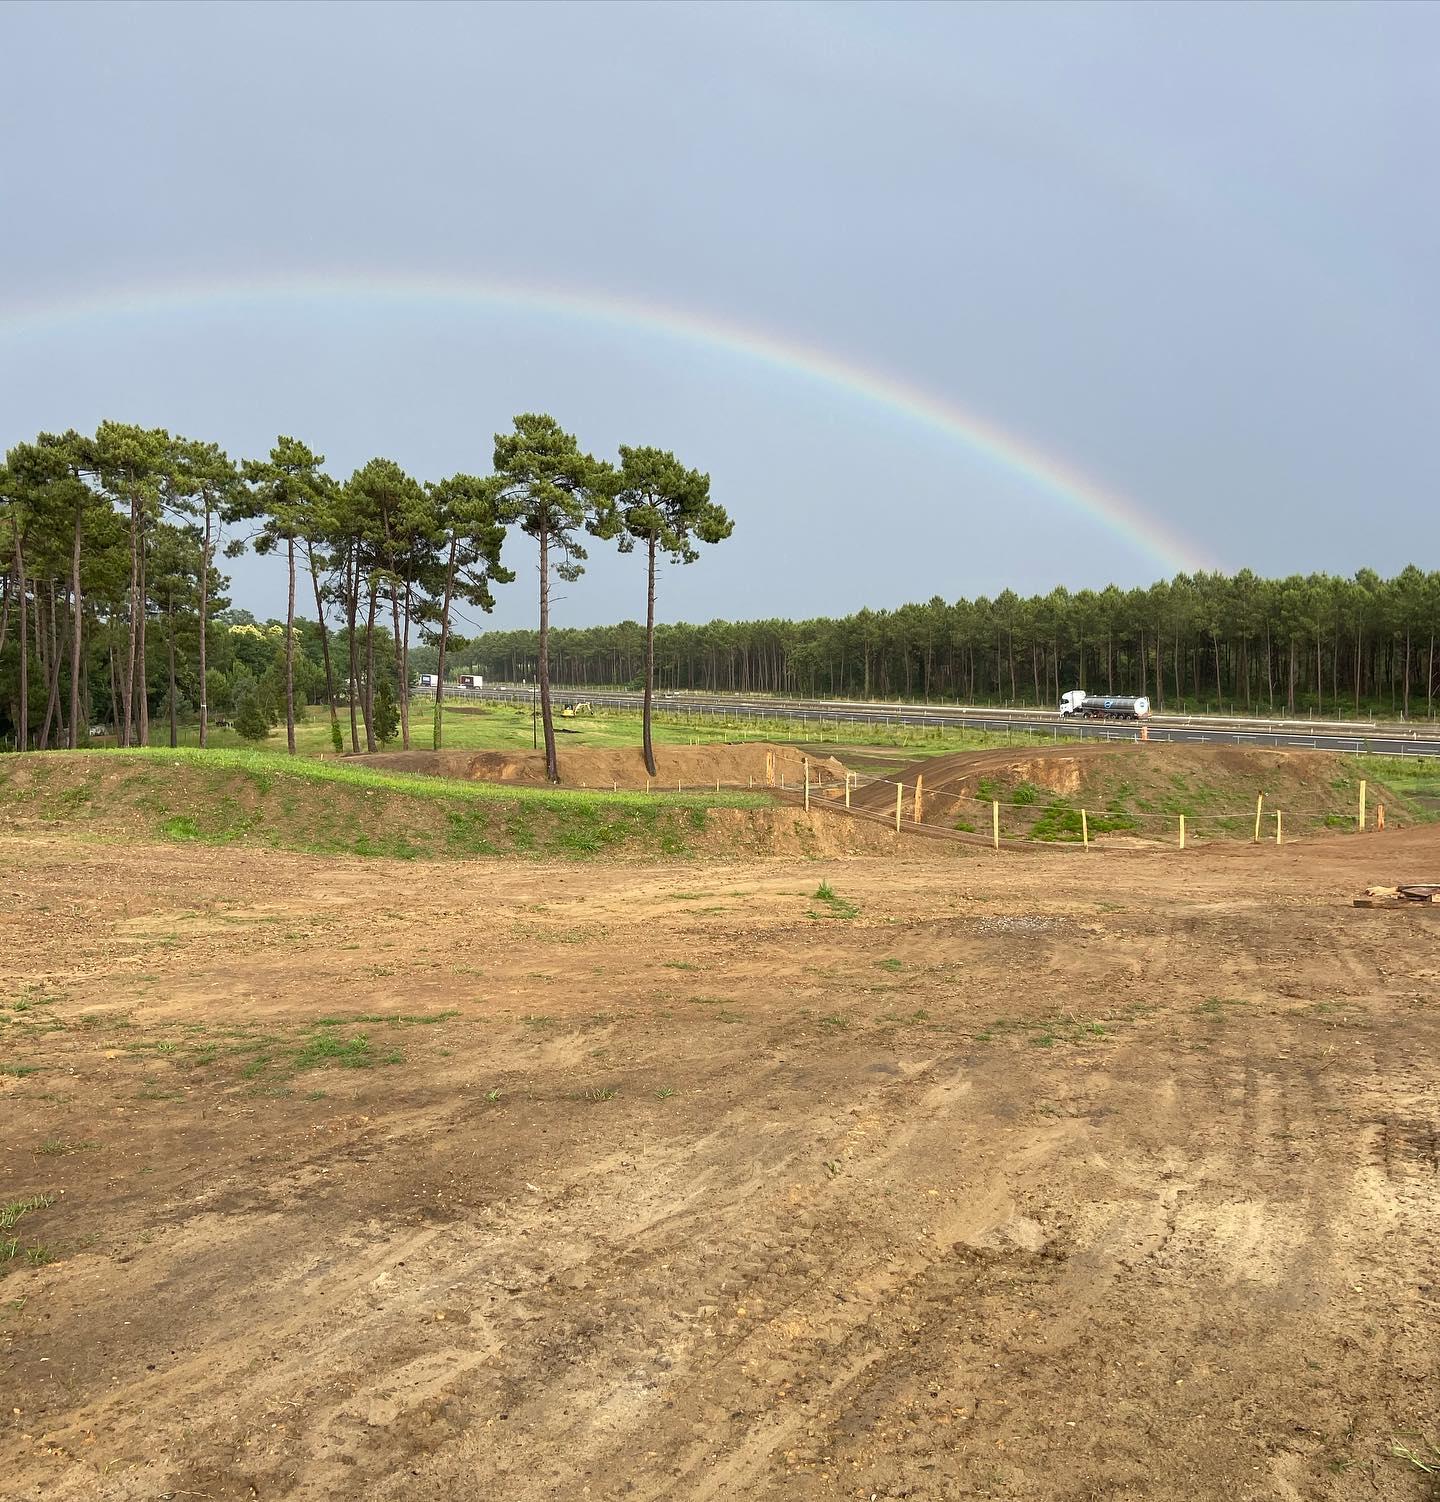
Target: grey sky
x: 1189, y: 251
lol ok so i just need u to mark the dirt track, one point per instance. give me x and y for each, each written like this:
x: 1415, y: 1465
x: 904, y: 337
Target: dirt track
x: 1111, y: 1177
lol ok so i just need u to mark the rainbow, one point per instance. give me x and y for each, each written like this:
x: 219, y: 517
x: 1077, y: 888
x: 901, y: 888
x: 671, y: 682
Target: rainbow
x: 885, y: 391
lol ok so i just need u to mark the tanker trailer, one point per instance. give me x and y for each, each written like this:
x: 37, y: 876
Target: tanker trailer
x: 1115, y: 707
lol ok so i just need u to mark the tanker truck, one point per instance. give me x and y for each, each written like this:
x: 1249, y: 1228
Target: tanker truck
x: 1104, y: 707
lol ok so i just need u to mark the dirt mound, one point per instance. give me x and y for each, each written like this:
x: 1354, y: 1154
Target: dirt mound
x: 339, y: 808
x: 1135, y: 791
x: 753, y: 764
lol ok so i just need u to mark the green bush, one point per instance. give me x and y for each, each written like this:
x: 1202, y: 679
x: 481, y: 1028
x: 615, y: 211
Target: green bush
x: 387, y: 715
x: 251, y: 723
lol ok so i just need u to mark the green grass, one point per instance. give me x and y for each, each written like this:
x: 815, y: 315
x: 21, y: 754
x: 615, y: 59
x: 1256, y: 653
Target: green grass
x: 15, y: 1210
x: 835, y: 906
x: 224, y: 797
x: 478, y: 726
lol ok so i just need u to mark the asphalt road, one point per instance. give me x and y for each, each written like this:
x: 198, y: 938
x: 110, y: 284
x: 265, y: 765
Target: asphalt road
x: 1381, y: 740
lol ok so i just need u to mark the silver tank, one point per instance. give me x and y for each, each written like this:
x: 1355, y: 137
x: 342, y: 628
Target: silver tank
x: 1116, y: 707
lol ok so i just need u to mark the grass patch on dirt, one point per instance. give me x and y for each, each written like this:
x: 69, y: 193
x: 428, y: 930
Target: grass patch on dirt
x: 225, y: 797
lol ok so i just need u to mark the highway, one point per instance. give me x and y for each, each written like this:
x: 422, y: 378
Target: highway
x: 1318, y: 735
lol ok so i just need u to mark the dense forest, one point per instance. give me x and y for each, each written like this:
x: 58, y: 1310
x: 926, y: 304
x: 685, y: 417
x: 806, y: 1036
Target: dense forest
x: 114, y: 617
x: 1318, y: 643
x: 112, y: 608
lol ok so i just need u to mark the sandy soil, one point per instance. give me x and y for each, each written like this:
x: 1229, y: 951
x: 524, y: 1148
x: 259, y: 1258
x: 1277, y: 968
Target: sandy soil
x: 1023, y: 1176
x: 755, y: 764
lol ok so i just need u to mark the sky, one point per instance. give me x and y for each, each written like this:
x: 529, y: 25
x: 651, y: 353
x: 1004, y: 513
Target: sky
x: 945, y: 299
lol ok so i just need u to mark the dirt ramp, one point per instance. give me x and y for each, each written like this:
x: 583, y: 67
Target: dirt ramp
x: 752, y: 764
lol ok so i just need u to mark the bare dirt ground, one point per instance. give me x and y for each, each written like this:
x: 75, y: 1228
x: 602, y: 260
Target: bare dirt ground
x: 756, y: 764
x: 1102, y: 1177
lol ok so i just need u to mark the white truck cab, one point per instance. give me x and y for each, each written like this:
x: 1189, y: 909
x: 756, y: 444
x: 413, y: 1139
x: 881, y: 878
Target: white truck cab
x: 1070, y: 703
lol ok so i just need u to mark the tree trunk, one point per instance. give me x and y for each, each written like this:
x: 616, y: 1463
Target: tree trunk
x: 22, y: 717
x: 1406, y: 701
x: 77, y: 605
x: 400, y: 683
x: 142, y: 683
x: 324, y: 636
x: 128, y: 683
x: 405, y: 672
x: 368, y: 701
x: 174, y: 726
x: 290, y: 649
x: 649, y: 658
x: 52, y: 695
x: 439, y: 734
x: 1319, y: 680
x: 114, y: 702
x: 352, y: 607
x: 204, y: 619
x: 1269, y: 667
x: 552, y: 765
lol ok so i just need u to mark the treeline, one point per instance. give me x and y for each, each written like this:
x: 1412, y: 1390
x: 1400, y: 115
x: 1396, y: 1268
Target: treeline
x: 1201, y: 641
x: 113, y: 605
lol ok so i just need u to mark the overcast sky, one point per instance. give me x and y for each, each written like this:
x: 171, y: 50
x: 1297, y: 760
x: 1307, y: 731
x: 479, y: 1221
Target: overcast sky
x: 1188, y: 252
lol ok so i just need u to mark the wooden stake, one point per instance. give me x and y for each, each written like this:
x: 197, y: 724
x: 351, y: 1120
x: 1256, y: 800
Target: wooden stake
x: 899, y: 800
x: 1361, y: 825
x: 1278, y: 817
x: 848, y: 776
x: 1379, y: 816
x: 995, y: 824
x: 919, y: 785
x: 1259, y: 805
x: 1182, y: 831
x: 1085, y: 828
x: 807, y: 786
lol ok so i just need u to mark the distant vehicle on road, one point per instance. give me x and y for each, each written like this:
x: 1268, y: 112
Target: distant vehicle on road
x: 1104, y: 707
x: 472, y: 680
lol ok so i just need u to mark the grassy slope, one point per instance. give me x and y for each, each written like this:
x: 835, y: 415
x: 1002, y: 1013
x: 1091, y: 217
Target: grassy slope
x: 223, y: 797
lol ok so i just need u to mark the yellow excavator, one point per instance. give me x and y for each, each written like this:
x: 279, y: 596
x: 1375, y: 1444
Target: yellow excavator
x: 573, y: 711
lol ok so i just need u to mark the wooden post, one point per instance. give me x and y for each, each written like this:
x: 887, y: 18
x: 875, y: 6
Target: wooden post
x: 995, y: 824
x: 807, y: 785
x: 1182, y: 831
x: 1379, y: 816
x: 1361, y: 825
x: 1085, y: 828
x: 647, y: 784
x: 770, y: 768
x: 848, y: 776
x: 919, y: 785
x: 1278, y: 817
x: 899, y: 800
x: 1259, y: 806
